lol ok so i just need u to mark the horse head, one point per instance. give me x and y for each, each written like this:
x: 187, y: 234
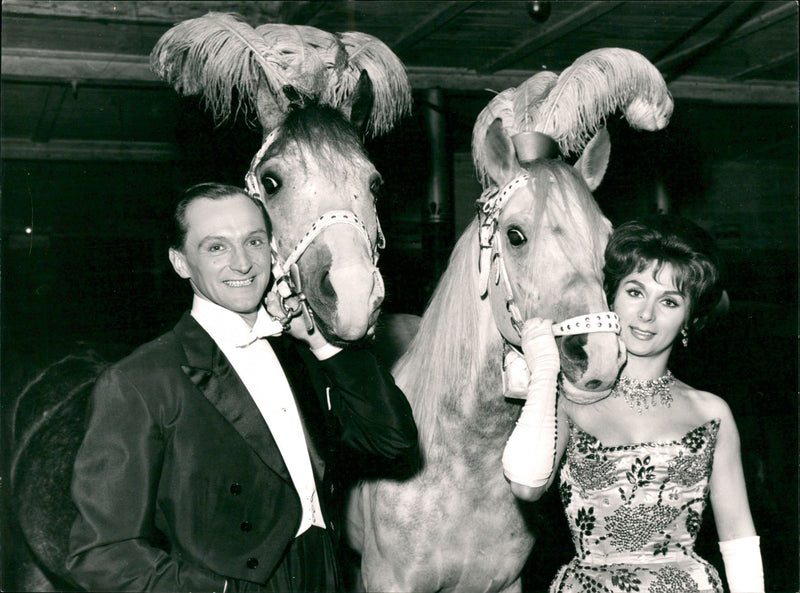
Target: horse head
x: 542, y: 235
x: 544, y: 255
x: 315, y: 94
x: 315, y: 178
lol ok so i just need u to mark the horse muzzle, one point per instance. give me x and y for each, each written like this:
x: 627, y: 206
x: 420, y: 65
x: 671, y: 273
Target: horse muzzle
x: 359, y: 293
x: 592, y: 355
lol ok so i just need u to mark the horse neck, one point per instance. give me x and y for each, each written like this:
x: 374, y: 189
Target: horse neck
x: 440, y: 371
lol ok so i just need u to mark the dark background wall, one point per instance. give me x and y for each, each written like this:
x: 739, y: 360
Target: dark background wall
x: 94, y: 270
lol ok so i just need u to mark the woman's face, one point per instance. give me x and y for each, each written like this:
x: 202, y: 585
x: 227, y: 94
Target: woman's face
x: 651, y: 311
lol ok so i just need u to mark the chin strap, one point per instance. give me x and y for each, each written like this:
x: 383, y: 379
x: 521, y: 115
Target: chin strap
x: 286, y: 273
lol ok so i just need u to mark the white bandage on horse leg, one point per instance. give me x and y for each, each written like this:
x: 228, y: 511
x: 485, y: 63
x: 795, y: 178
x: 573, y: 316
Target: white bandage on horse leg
x: 743, y: 567
x: 529, y: 455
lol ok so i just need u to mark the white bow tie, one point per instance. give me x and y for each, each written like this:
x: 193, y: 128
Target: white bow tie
x: 264, y: 327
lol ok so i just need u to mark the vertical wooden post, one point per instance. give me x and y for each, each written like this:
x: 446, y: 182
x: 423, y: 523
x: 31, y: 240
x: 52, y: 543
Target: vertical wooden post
x: 438, y: 211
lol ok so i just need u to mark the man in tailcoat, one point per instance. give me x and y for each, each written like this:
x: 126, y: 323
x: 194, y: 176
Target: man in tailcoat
x: 208, y: 457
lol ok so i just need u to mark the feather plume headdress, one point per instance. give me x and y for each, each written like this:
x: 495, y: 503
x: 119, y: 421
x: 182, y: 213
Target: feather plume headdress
x: 570, y: 107
x: 236, y: 67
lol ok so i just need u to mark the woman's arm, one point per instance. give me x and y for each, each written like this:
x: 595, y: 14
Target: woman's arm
x: 728, y: 492
x: 738, y: 541
x: 534, y: 448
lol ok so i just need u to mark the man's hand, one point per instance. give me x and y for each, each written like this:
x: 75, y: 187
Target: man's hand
x: 297, y: 324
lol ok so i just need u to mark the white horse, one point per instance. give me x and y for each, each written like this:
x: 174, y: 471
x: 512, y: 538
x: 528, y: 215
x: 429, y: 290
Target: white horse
x: 535, y: 250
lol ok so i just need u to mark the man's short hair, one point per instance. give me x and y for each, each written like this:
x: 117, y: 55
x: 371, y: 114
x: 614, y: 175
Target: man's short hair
x: 210, y: 191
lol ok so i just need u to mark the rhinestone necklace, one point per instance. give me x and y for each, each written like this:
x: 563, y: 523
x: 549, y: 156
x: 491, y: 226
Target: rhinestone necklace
x: 640, y: 395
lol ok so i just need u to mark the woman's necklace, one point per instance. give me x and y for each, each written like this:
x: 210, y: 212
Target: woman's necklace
x: 640, y: 395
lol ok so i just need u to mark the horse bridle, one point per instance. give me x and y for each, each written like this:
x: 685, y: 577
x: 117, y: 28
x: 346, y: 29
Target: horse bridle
x: 286, y: 273
x: 490, y: 205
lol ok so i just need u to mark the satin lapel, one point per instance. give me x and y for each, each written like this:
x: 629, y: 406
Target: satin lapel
x: 214, y: 376
x: 307, y: 403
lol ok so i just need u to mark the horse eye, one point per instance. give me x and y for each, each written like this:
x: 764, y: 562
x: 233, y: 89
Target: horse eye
x: 270, y: 184
x: 516, y: 237
x: 375, y: 186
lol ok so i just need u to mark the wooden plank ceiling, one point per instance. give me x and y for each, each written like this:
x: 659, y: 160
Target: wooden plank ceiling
x: 76, y: 82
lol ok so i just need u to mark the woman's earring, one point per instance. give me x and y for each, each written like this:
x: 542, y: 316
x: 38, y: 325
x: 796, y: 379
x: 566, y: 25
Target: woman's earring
x: 685, y: 337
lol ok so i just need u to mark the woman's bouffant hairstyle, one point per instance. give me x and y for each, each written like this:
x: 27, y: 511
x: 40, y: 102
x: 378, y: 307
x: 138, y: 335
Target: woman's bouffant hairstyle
x: 667, y: 239
x: 211, y: 191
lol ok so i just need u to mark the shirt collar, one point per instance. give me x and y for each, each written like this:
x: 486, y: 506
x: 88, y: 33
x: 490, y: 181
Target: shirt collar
x: 228, y: 327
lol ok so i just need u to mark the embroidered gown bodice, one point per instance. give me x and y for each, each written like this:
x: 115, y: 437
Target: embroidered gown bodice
x: 635, y: 511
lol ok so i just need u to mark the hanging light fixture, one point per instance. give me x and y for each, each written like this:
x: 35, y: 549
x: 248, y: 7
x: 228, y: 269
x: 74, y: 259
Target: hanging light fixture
x: 539, y: 10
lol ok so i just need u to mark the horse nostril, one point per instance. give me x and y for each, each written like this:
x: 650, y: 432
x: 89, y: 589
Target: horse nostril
x: 573, y: 347
x: 325, y: 285
x: 593, y: 384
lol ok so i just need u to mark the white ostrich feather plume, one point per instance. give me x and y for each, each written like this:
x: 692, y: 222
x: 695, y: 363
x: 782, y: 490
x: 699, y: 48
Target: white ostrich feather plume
x: 216, y: 54
x: 570, y: 107
x: 597, y: 84
x: 222, y: 58
x: 390, y: 86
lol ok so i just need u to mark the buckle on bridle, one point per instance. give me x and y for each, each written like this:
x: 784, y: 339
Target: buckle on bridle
x: 291, y: 300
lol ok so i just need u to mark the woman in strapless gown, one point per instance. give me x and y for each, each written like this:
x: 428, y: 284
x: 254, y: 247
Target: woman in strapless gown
x: 640, y: 465
x: 634, y: 512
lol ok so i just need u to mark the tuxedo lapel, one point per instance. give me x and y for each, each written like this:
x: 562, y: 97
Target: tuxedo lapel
x: 209, y: 370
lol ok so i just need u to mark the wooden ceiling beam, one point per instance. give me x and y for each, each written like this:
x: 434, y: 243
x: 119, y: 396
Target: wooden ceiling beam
x: 89, y: 150
x: 589, y: 12
x: 125, y: 70
x: 67, y: 66
x: 147, y: 11
x: 734, y: 32
x: 692, y: 32
x: 775, y: 62
x: 752, y: 26
x: 436, y: 20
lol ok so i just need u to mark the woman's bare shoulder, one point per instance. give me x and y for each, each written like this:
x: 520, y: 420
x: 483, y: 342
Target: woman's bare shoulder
x: 706, y: 405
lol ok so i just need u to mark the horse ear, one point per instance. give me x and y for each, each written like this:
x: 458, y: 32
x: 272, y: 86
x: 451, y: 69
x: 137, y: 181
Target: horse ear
x: 593, y: 162
x: 361, y: 103
x: 500, y: 157
x: 270, y: 113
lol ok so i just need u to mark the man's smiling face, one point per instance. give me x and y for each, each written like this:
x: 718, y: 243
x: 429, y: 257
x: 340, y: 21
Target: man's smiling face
x: 226, y: 253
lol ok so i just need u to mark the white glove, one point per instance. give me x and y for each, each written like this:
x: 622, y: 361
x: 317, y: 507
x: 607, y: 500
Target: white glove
x: 743, y: 566
x: 529, y: 454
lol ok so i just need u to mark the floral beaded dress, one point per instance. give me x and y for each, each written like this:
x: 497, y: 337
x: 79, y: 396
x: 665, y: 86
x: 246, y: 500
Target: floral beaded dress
x: 634, y: 512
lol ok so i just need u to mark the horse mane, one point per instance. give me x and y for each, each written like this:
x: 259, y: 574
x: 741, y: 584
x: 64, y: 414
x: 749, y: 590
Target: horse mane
x: 323, y: 130
x: 444, y: 360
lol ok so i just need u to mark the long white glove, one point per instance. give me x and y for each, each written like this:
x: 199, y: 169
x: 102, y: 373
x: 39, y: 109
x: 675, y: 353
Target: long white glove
x: 529, y: 454
x: 743, y: 566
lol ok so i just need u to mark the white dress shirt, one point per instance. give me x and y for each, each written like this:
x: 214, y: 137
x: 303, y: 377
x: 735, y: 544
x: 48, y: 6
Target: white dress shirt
x: 255, y: 362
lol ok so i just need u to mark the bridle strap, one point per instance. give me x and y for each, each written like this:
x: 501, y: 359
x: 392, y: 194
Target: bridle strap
x: 251, y: 179
x: 490, y: 206
x: 279, y: 268
x: 285, y: 271
x: 588, y: 324
x: 517, y: 322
